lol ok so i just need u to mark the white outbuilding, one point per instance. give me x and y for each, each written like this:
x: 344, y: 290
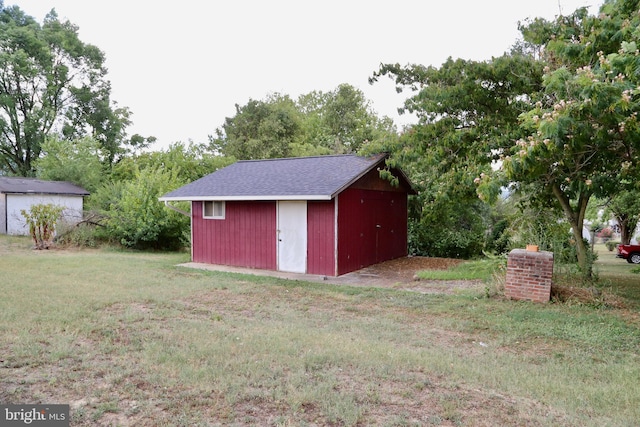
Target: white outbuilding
x: 17, y: 193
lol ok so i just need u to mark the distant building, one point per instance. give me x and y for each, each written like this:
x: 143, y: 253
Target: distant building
x: 18, y: 193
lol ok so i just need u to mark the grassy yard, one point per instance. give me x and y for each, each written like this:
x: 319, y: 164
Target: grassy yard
x: 615, y: 274
x: 468, y: 270
x: 130, y: 339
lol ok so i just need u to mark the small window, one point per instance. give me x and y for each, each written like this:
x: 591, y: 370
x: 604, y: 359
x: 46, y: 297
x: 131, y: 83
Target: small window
x: 213, y: 210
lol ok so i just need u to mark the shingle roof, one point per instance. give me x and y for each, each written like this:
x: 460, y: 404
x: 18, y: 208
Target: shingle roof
x: 299, y: 178
x: 19, y: 185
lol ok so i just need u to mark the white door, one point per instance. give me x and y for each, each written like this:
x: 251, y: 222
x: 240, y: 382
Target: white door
x: 292, y: 236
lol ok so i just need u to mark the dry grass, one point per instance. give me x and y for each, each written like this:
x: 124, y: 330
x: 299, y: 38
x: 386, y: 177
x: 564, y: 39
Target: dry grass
x: 128, y: 339
x: 591, y: 296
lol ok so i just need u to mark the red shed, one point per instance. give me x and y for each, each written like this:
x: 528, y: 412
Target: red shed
x: 326, y: 215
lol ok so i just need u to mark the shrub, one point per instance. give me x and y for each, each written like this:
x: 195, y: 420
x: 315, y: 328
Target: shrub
x: 135, y: 217
x: 449, y: 234
x: 498, y: 238
x: 605, y: 234
x: 42, y: 219
x: 611, y: 245
x: 81, y: 235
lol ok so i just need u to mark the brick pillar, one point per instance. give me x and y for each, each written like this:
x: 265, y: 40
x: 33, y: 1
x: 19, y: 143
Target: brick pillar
x: 529, y: 275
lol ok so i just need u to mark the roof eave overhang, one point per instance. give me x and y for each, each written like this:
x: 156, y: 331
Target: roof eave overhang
x: 42, y: 193
x: 246, y: 198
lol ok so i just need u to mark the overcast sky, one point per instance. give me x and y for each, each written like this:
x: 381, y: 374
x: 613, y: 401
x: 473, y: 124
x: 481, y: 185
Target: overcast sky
x: 182, y: 66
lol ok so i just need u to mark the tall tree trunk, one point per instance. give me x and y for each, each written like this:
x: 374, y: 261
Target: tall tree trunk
x: 576, y: 220
x: 625, y: 229
x: 581, y: 250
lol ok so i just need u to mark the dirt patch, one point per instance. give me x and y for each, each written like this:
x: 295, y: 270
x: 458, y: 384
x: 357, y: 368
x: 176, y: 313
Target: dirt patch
x: 401, y: 273
x: 398, y: 274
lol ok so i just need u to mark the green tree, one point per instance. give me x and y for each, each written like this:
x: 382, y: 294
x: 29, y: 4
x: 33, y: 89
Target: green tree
x: 350, y: 119
x: 50, y: 83
x: 317, y: 123
x: 315, y: 138
x: 341, y: 121
x: 259, y: 130
x: 441, y: 228
x: 625, y: 208
x: 535, y: 221
x: 583, y: 135
x: 468, y: 112
x: 126, y: 202
x: 190, y: 161
x: 136, y: 219
x: 79, y: 162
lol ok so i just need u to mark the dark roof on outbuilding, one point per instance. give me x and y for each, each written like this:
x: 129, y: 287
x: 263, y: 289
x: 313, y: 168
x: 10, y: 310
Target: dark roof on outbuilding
x: 20, y: 185
x: 298, y: 178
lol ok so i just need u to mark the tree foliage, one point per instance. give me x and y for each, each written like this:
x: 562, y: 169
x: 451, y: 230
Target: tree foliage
x: 625, y: 208
x: 317, y: 123
x: 583, y: 135
x: 259, y: 130
x: 127, y: 200
x: 341, y: 121
x: 51, y: 83
x: 136, y: 219
x: 559, y: 113
x: 79, y: 162
x: 468, y: 111
x: 190, y: 161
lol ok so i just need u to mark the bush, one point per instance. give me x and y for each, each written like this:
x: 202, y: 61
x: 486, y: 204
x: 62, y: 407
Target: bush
x: 42, y: 219
x: 611, y: 245
x: 605, y: 234
x: 461, y: 241
x: 83, y: 234
x: 134, y: 216
x: 498, y: 238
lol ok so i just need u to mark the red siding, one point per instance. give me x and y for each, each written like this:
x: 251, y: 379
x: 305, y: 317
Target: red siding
x: 372, y: 227
x: 245, y: 238
x: 321, y: 238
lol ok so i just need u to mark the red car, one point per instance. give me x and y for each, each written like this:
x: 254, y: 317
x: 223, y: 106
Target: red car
x: 629, y: 252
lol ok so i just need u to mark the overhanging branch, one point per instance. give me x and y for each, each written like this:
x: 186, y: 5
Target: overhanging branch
x: 167, y: 204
